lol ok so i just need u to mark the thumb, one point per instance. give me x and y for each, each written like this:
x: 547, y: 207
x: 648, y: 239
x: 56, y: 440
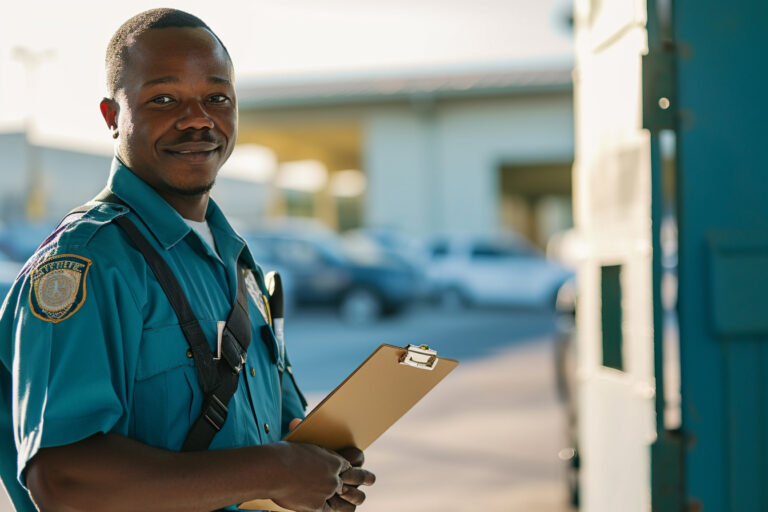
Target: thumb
x: 294, y: 423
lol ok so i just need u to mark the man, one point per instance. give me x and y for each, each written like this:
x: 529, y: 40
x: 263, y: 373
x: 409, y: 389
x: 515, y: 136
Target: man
x: 100, y: 383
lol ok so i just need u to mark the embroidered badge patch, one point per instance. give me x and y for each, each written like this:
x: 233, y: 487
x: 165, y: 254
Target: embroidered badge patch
x: 258, y: 298
x: 57, y: 287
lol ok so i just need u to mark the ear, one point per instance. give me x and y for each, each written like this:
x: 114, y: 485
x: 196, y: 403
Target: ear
x: 109, y: 110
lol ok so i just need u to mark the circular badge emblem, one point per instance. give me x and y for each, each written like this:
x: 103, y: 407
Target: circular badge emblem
x: 57, y: 290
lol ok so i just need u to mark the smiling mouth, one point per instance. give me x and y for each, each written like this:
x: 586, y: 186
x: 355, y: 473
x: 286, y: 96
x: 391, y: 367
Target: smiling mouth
x: 193, y: 150
x: 192, y: 155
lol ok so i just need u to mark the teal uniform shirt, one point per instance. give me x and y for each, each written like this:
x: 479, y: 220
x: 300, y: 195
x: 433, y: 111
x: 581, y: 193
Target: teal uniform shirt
x: 89, y: 342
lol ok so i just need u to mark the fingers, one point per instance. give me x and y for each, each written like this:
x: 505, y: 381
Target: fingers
x: 358, y: 476
x: 339, y: 484
x: 337, y: 504
x: 353, y: 495
x: 353, y: 455
x: 294, y: 423
x: 344, y: 466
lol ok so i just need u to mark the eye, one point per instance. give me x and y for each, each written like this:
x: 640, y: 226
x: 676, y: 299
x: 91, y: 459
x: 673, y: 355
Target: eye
x: 161, y: 100
x: 218, y: 98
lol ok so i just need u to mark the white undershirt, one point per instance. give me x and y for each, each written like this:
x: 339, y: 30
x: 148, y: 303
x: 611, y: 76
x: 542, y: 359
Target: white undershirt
x: 204, y: 231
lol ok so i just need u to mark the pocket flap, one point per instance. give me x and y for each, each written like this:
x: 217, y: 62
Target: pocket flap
x: 162, y: 350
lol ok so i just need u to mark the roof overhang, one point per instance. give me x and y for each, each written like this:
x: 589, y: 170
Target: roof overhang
x: 399, y: 86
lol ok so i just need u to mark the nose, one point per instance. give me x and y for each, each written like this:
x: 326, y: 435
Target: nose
x: 195, y: 117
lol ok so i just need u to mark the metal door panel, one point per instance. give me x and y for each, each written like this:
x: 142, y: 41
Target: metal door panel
x: 612, y: 200
x: 745, y: 385
x: 723, y: 186
x: 615, y: 461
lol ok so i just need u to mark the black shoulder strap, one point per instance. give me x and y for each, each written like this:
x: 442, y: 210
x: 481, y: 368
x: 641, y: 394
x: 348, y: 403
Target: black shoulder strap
x: 218, y: 377
x: 187, y: 320
x: 234, y: 346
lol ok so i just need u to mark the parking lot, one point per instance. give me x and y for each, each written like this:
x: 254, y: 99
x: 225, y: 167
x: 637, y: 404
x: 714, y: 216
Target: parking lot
x: 486, y: 438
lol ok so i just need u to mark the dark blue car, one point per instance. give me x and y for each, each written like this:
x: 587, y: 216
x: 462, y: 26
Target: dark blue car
x: 317, y: 270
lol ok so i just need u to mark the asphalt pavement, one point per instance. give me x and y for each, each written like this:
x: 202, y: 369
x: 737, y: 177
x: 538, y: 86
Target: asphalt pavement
x: 324, y: 350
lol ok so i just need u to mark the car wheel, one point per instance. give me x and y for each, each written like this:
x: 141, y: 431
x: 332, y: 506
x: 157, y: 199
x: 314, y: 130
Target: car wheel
x: 361, y: 306
x: 451, y: 299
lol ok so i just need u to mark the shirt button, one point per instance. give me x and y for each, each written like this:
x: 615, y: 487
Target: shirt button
x: 189, y: 353
x: 253, y: 372
x: 266, y: 428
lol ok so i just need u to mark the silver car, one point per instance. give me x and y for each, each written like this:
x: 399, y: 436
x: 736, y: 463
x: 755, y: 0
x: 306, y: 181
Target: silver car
x: 501, y: 271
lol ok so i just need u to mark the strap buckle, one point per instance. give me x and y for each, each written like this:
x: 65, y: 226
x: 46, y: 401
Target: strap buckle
x: 232, y: 352
x: 215, y: 412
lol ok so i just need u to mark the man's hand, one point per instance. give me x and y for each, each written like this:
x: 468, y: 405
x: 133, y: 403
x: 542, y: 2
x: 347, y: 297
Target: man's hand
x: 349, y: 496
x: 320, y: 480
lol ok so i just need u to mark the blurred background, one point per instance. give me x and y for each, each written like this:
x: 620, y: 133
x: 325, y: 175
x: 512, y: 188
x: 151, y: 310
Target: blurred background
x: 404, y: 165
x: 440, y: 172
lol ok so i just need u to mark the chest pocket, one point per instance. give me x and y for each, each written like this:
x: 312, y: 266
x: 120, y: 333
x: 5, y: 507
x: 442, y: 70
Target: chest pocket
x: 167, y: 397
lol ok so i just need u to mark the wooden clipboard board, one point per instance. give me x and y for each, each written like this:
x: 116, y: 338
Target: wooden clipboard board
x: 374, y: 396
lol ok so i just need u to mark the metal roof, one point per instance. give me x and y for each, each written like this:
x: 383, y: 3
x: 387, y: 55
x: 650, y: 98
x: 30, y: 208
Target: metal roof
x: 386, y: 86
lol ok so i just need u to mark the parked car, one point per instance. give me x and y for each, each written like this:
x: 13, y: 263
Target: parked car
x: 321, y: 272
x: 387, y: 246
x: 500, y: 271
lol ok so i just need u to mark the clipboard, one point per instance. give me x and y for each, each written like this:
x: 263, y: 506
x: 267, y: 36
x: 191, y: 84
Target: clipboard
x: 370, y: 400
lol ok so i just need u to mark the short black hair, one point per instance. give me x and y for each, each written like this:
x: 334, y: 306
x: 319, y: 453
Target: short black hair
x: 137, y: 25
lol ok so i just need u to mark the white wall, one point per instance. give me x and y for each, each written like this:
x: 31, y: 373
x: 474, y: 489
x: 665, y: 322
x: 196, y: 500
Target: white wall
x: 435, y: 169
x: 68, y: 178
x: 399, y: 164
x: 12, y: 173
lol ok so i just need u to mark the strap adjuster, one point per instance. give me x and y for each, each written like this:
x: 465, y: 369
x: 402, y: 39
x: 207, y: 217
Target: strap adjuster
x: 215, y: 412
x: 231, y: 352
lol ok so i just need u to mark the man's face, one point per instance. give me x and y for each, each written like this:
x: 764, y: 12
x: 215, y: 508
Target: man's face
x: 177, y: 115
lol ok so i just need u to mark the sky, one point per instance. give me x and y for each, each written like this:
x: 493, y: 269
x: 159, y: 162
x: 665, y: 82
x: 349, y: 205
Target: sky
x: 266, y: 38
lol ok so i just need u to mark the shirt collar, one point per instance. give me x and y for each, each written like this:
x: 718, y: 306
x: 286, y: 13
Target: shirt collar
x: 163, y: 221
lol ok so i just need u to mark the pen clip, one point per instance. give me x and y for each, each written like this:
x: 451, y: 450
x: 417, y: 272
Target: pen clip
x: 219, y: 335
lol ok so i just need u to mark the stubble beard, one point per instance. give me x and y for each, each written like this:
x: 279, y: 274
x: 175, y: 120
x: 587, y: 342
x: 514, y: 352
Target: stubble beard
x: 195, y: 191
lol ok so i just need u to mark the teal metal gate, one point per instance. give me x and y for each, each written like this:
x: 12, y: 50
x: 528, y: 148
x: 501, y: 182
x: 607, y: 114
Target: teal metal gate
x: 706, y: 78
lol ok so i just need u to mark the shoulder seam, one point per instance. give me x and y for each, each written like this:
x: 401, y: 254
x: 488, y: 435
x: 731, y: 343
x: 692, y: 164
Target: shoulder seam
x: 80, y: 231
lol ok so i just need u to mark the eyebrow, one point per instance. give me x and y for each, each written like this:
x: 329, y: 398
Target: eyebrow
x: 170, y: 79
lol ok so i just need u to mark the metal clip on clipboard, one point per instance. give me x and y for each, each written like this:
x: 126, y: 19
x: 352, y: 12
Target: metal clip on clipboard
x: 420, y: 356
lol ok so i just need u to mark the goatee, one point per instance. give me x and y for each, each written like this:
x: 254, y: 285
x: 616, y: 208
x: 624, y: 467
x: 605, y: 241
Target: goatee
x: 196, y: 191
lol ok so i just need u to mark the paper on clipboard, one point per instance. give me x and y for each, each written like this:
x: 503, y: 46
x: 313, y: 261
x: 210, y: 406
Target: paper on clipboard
x: 377, y: 394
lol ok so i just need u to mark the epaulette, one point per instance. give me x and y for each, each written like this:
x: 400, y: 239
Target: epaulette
x: 78, y: 227
x: 83, y: 223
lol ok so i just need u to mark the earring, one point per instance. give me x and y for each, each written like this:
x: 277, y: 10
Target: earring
x: 115, y: 133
